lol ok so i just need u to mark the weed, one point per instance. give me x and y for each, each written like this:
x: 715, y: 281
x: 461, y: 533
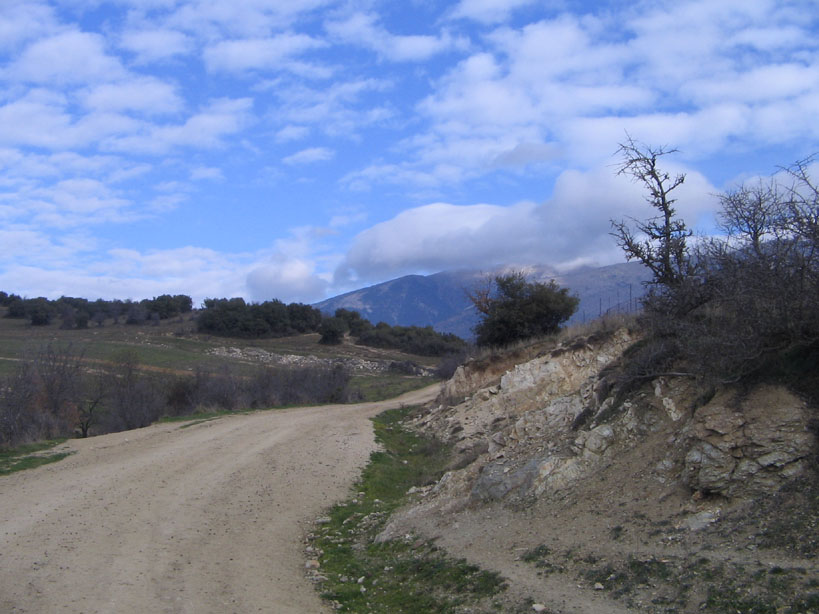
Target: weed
x: 807, y: 605
x: 728, y: 600
x: 407, y: 575
x: 29, y: 456
x: 537, y: 554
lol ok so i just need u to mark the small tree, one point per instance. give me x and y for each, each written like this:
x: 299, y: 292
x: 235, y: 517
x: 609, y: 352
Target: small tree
x: 332, y: 331
x: 513, y: 309
x: 90, y: 407
x: 660, y: 242
x: 752, y: 216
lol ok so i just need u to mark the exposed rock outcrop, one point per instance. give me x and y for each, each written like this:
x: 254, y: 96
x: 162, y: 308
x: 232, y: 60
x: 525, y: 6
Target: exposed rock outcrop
x: 518, y: 437
x: 749, y: 446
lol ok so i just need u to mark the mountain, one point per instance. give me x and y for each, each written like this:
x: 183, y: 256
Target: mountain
x: 441, y: 300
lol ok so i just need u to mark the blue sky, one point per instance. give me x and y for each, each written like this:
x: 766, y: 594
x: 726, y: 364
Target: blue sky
x: 296, y: 149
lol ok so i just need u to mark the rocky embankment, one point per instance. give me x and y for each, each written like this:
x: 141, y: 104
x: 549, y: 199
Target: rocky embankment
x: 554, y: 452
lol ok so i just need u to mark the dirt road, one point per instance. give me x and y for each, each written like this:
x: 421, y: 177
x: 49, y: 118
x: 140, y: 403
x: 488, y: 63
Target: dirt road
x: 205, y: 518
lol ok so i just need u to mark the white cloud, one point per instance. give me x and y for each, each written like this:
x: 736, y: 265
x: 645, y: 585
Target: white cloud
x: 757, y: 85
x: 250, y: 18
x: 207, y: 172
x: 145, y: 95
x: 53, y: 126
x: 572, y: 225
x: 363, y: 29
x: 258, y: 54
x: 488, y: 11
x: 156, y: 44
x: 523, y: 154
x: 699, y: 75
x: 292, y: 133
x: 23, y: 20
x: 338, y: 109
x: 43, y: 119
x: 287, y: 279
x: 76, y: 202
x: 126, y: 273
x: 439, y: 236
x: 206, y: 129
x: 66, y: 58
x: 22, y: 244
x: 310, y: 155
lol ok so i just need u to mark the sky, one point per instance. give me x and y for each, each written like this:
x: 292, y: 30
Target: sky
x: 298, y: 149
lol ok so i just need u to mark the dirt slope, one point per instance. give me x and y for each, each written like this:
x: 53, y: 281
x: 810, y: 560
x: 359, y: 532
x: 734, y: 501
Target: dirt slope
x: 201, y: 519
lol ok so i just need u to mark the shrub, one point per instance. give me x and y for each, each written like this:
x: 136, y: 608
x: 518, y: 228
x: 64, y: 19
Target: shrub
x: 514, y: 309
x: 332, y: 331
x: 744, y: 303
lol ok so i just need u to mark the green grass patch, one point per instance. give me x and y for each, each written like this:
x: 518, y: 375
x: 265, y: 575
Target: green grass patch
x: 401, y: 576
x: 29, y: 456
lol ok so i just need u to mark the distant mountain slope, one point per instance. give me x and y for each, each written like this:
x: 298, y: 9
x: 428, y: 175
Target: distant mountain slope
x: 441, y: 301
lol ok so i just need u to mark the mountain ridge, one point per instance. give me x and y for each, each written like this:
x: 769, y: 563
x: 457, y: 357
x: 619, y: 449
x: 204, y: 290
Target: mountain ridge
x: 441, y: 299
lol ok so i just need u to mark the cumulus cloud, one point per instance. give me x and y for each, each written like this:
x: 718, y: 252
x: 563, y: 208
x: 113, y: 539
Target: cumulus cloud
x: 127, y: 273
x: 292, y: 133
x: 145, y: 95
x: 363, y: 29
x: 575, y: 84
x: 207, y: 172
x: 214, y: 18
x: 68, y: 57
x: 150, y: 45
x: 488, y: 11
x: 337, y: 109
x: 309, y: 156
x: 24, y: 20
x: 572, y: 226
x: 107, y: 118
x: 206, y: 129
x: 33, y: 246
x: 286, y: 278
x: 259, y: 53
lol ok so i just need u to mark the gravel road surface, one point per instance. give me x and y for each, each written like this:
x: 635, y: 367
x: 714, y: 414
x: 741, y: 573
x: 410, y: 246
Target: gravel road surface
x: 172, y: 518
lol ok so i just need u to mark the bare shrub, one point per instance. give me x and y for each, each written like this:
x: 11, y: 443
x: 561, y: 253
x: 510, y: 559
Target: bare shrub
x: 135, y: 400
x: 744, y: 303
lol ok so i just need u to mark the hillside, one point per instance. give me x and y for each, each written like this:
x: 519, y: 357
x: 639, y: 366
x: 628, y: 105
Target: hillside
x: 174, y: 345
x: 591, y: 499
x: 59, y: 382
x: 441, y: 301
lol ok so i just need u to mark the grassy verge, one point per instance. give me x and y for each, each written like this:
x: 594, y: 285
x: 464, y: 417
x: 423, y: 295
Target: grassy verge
x: 29, y: 456
x: 407, y: 575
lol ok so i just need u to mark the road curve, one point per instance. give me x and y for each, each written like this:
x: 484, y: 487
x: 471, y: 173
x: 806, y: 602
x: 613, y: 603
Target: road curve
x: 197, y: 519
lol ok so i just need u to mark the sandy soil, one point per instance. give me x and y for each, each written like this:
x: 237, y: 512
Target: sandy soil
x: 206, y: 518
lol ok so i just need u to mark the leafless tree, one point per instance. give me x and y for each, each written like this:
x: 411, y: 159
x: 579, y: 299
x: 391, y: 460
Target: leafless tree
x: 18, y: 393
x: 660, y: 242
x: 59, y: 372
x: 754, y: 215
x: 91, y: 405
